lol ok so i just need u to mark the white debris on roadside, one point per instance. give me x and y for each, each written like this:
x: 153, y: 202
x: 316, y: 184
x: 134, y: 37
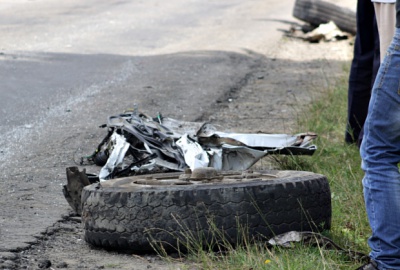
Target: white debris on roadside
x: 327, y: 32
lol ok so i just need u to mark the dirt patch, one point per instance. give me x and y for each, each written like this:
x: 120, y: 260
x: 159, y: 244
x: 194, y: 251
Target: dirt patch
x: 283, y: 86
x: 269, y: 99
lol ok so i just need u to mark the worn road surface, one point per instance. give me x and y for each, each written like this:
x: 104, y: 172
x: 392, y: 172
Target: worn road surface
x: 67, y: 65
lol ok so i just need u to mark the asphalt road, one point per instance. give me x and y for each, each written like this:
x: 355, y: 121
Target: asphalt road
x: 67, y: 65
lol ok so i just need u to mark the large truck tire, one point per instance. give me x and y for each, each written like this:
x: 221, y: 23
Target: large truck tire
x: 317, y: 12
x: 171, y: 210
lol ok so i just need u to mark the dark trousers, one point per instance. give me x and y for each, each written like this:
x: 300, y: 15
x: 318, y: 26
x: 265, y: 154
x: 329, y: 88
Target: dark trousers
x: 364, y: 68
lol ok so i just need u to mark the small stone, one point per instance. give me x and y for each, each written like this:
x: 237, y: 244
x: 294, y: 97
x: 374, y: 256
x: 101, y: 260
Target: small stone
x: 8, y: 256
x: 8, y: 264
x: 44, y: 264
x: 62, y: 265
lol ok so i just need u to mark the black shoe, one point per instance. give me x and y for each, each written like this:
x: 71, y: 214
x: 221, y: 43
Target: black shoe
x: 369, y: 266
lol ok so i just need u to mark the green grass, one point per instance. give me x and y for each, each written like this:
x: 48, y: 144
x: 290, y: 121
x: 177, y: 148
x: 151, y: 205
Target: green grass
x: 340, y: 163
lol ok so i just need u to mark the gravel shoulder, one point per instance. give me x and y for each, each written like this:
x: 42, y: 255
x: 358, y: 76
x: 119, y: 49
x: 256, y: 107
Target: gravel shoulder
x: 283, y: 86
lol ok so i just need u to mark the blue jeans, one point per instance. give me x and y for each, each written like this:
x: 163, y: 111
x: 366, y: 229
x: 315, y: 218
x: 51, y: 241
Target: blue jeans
x: 380, y: 153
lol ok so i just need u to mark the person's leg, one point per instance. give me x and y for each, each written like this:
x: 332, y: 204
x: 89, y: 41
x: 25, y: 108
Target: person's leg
x: 386, y: 20
x: 380, y: 152
x: 363, y: 69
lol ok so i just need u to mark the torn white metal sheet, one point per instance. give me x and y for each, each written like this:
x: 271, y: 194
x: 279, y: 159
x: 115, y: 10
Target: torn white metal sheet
x: 256, y: 140
x: 195, y: 156
x: 210, y: 136
x: 239, y: 157
x: 215, y: 155
x: 120, y: 146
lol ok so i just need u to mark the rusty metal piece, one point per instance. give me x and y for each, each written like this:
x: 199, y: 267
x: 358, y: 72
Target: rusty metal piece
x: 72, y: 191
x: 204, y: 173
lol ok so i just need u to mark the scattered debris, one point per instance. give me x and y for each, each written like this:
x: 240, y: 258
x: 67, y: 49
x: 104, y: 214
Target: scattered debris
x: 324, y: 32
x: 137, y: 144
x: 312, y: 238
x: 327, y: 32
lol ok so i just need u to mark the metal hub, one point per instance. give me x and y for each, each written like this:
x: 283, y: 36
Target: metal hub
x: 201, y: 175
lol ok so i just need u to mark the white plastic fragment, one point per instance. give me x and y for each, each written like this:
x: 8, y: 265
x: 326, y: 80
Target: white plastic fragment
x: 286, y: 239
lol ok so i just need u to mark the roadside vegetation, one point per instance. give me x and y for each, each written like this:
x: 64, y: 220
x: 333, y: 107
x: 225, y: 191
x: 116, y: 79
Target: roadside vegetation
x: 341, y: 164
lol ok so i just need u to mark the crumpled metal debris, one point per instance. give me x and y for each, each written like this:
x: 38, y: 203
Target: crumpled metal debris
x: 137, y: 143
